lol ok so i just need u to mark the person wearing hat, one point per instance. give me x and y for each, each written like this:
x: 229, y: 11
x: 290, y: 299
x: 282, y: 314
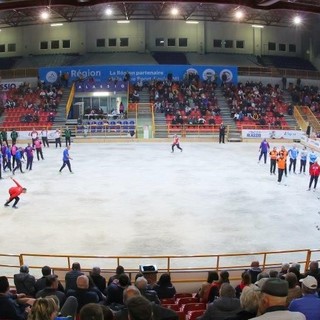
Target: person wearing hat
x: 273, y: 298
x: 25, y: 282
x: 309, y: 304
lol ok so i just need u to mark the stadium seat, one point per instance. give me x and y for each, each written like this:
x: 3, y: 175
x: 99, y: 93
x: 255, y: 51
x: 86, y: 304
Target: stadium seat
x: 194, y: 314
x: 193, y: 306
x: 185, y: 300
x: 167, y: 301
x: 173, y: 306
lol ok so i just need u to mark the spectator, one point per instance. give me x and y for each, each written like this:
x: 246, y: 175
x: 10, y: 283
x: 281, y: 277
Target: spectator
x: 206, y: 286
x: 254, y: 271
x: 91, y: 311
x: 72, y: 276
x: 139, y: 308
x: 44, y: 309
x: 142, y: 283
x: 314, y: 271
x: 294, y: 291
x: 227, y: 305
x: 215, y: 287
x: 119, y: 271
x: 164, y: 287
x: 115, y: 290
x: 24, y: 282
x: 41, y: 282
x: 246, y: 281
x: 98, y: 280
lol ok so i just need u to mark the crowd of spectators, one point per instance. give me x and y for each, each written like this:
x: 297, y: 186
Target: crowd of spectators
x: 259, y: 294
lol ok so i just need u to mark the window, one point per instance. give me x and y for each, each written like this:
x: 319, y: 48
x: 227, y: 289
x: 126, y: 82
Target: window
x: 282, y: 47
x: 171, y: 42
x: 217, y: 43
x: 271, y: 46
x: 112, y: 42
x: 183, y: 42
x: 66, y: 44
x: 292, y: 48
x: 44, y: 45
x: 239, y: 44
x: 159, y: 42
x: 11, y: 47
x: 2, y: 48
x: 55, y: 44
x: 101, y: 43
x: 124, y: 42
x: 228, y: 44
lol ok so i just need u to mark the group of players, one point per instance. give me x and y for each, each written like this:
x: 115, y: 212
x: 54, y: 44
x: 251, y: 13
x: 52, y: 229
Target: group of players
x: 279, y: 158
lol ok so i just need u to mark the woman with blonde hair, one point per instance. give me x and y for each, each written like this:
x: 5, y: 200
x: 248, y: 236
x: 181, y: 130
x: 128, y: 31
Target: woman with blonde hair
x: 43, y: 309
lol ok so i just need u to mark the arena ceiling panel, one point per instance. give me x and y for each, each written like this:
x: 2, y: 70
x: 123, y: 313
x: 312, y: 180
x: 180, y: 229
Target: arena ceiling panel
x: 15, y: 13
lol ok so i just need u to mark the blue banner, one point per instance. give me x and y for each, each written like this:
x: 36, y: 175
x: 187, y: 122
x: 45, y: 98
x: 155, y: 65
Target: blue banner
x: 139, y: 72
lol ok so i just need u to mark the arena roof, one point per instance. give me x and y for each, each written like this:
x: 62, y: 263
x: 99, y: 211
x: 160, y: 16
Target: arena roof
x: 267, y: 12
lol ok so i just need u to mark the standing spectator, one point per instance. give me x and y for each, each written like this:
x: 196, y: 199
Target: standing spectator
x: 72, y: 275
x: 164, y: 287
x: 293, y: 156
x: 205, y: 287
x: 25, y: 282
x: 44, y: 137
x: 222, y: 132
x: 38, y: 146
x: 67, y: 134
x: 303, y: 160
x: 309, y: 304
x: 4, y: 136
x: 314, y: 175
x: 284, y: 83
x: 14, y: 136
x: 66, y: 159
x: 273, y: 160
x: 175, y: 143
x: 263, y: 149
x: 57, y: 136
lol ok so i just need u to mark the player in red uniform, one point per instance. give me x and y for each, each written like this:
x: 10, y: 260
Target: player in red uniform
x: 176, y: 142
x: 14, y: 194
x: 314, y: 175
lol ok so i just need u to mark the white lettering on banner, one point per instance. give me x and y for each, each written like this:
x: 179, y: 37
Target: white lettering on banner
x: 5, y: 86
x: 85, y: 73
x: 271, y: 134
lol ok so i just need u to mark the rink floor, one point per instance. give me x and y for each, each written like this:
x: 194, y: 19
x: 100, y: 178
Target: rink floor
x: 138, y: 198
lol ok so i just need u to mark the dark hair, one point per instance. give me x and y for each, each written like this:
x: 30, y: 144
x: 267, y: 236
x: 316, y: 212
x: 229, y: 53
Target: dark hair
x: 224, y: 275
x: 165, y: 280
x: 212, y: 276
x: 246, y: 277
x: 138, y: 275
x: 4, y: 284
x: 24, y: 269
x: 119, y: 270
x: 107, y: 313
x: 139, y: 308
x: 124, y: 280
x: 291, y: 279
x: 273, y: 274
x: 76, y: 266
x: 91, y: 311
x: 50, y: 279
x: 46, y: 271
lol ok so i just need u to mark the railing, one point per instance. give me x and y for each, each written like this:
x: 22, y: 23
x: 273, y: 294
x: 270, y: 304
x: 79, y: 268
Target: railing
x: 183, y: 268
x: 70, y: 99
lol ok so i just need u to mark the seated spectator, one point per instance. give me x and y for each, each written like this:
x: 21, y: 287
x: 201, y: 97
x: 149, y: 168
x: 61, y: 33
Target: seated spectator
x: 12, y: 306
x: 273, y: 274
x: 119, y: 271
x: 72, y: 276
x: 115, y: 290
x: 44, y: 309
x: 295, y: 268
x: 98, y: 280
x: 159, y: 312
x: 91, y: 311
x: 206, y: 286
x: 294, y: 291
x: 309, y: 304
x: 142, y: 283
x: 139, y: 308
x: 254, y: 271
x: 41, y: 283
x: 227, y: 305
x: 107, y: 313
x: 215, y: 286
x: 245, y: 281
x: 314, y: 271
x: 249, y: 301
x: 284, y: 269
x: 24, y: 282
x: 83, y: 294
x: 164, y: 287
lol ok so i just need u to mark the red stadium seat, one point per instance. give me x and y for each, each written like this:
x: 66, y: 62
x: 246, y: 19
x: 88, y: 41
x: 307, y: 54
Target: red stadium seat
x: 182, y: 295
x: 167, y: 301
x: 193, y: 315
x: 185, y: 300
x: 173, y: 306
x: 193, y: 306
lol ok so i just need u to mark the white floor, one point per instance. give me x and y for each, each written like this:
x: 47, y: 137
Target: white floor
x: 138, y: 198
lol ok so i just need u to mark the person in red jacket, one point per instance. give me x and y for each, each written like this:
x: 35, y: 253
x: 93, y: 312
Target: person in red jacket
x: 314, y: 175
x: 14, y: 194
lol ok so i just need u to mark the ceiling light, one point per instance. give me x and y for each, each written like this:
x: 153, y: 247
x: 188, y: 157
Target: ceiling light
x: 108, y: 11
x: 174, y: 11
x: 192, y: 22
x: 44, y: 15
x: 123, y: 21
x: 297, y: 20
x: 239, y: 14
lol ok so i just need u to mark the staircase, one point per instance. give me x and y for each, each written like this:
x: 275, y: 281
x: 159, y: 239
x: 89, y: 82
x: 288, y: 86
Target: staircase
x: 290, y: 119
x: 161, y: 128
x: 60, y: 118
x: 234, y: 134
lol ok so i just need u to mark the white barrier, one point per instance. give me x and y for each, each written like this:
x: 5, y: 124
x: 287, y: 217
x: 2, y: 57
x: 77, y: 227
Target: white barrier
x: 271, y: 134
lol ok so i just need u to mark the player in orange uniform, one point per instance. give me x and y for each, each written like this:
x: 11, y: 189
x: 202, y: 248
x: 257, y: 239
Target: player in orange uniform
x: 176, y: 142
x: 281, y: 161
x: 273, y: 160
x: 284, y: 153
x: 14, y: 194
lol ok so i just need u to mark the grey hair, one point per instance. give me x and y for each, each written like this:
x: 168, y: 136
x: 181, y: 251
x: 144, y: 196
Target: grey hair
x: 249, y: 298
x: 141, y: 283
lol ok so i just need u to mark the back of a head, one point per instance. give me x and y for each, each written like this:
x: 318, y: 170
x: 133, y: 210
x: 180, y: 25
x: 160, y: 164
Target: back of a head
x: 165, y: 280
x: 129, y: 292
x: 139, y: 308
x: 255, y: 264
x: 141, y: 283
x: 119, y: 270
x: 124, y: 280
x: 76, y: 266
x: 314, y: 266
x: 292, y: 279
x: 83, y: 282
x: 91, y: 311
x: 107, y: 313
x: 46, y: 270
x: 43, y: 309
x: 24, y: 269
x: 246, y: 277
x: 51, y: 279
x: 227, y: 291
x: 249, y: 299
x: 212, y: 276
x: 4, y: 284
x: 273, y: 274
x: 95, y: 271
x: 224, y: 276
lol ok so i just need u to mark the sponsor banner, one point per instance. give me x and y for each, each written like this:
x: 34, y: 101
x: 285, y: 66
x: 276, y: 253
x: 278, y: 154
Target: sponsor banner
x: 272, y: 134
x: 26, y: 135
x: 140, y: 72
x: 310, y: 143
x: 7, y: 85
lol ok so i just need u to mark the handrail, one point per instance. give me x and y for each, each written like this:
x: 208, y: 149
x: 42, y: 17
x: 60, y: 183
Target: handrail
x: 70, y: 99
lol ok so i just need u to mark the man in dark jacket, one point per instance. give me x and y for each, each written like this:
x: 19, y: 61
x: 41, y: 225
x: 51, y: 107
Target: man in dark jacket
x: 25, y: 282
x: 42, y: 282
x: 71, y: 276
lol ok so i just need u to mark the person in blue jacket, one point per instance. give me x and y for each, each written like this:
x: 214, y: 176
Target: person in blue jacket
x: 293, y: 156
x: 264, y: 149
